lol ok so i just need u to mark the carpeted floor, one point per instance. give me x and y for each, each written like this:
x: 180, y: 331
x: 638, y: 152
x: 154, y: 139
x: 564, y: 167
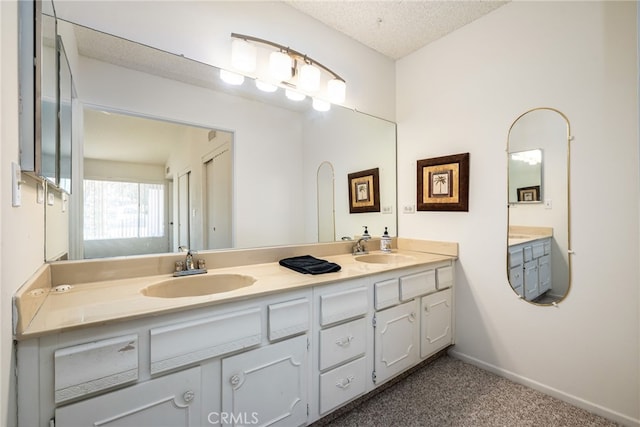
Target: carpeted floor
x: 449, y: 392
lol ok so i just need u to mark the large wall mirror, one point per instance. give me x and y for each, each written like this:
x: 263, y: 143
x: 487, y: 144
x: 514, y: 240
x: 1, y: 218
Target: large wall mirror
x: 538, y: 242
x: 193, y: 161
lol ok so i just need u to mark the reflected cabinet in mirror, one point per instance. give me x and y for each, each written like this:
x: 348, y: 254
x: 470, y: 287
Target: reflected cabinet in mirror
x: 173, y: 156
x: 538, y: 233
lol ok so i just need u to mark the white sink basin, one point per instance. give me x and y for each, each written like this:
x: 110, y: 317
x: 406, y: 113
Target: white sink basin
x: 384, y: 258
x: 193, y: 286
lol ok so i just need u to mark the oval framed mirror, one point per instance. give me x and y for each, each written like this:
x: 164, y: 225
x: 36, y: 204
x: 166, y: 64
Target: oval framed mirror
x: 538, y: 229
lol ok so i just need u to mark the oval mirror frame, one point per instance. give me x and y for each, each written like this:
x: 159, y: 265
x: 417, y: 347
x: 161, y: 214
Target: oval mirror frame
x: 538, y: 261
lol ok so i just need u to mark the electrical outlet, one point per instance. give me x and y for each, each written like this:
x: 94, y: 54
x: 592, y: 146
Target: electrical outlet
x: 548, y: 204
x: 387, y: 209
x: 409, y: 209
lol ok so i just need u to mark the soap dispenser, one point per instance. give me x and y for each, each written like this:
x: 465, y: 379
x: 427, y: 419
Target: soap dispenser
x: 365, y: 234
x: 385, y: 241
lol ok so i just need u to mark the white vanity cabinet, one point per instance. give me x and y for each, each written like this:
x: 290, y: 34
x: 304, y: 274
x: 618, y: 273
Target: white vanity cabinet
x: 343, y: 341
x: 530, y: 268
x: 414, y: 318
x: 233, y: 364
x: 285, y: 359
x: 174, y: 400
x: 268, y: 385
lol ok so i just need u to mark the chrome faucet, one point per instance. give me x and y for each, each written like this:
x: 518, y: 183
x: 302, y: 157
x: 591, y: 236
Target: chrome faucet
x: 188, y: 262
x: 359, y: 248
x: 188, y: 266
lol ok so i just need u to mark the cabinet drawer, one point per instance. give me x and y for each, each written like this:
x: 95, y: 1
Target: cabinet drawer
x: 547, y: 246
x: 387, y: 293
x: 86, y: 368
x: 343, y: 305
x: 515, y: 257
x: 417, y: 284
x: 288, y: 318
x: 537, y: 249
x: 445, y: 277
x: 342, y: 342
x: 342, y: 384
x: 188, y: 342
x: 528, y: 253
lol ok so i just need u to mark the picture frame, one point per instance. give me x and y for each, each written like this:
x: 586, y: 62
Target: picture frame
x: 443, y: 183
x: 364, y: 191
x: 529, y: 194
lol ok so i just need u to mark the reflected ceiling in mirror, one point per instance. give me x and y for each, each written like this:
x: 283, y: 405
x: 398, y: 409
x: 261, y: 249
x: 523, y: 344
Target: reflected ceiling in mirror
x: 538, y: 230
x: 276, y: 144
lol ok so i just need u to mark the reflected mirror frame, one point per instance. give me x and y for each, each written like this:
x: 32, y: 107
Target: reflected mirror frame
x: 569, y: 138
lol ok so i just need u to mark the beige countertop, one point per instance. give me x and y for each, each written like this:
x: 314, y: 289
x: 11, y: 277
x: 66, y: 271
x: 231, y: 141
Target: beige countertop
x: 525, y: 234
x: 101, y: 302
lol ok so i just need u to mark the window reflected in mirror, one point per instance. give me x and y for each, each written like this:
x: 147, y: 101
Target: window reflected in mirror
x: 538, y: 237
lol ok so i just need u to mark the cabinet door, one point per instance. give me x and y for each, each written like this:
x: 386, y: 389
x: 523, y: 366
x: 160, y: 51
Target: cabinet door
x: 267, y: 386
x: 435, y: 322
x: 531, y: 280
x: 544, y: 273
x: 516, y: 278
x: 171, y: 401
x: 396, y: 340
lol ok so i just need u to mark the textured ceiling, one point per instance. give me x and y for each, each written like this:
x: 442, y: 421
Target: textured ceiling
x: 395, y: 28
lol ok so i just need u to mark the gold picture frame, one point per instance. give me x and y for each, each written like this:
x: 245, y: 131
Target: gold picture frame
x: 364, y: 191
x: 443, y: 183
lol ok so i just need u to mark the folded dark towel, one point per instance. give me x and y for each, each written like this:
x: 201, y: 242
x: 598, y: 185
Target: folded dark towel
x: 309, y: 265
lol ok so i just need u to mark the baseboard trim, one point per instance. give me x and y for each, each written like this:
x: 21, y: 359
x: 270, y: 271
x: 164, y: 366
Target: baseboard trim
x: 576, y: 401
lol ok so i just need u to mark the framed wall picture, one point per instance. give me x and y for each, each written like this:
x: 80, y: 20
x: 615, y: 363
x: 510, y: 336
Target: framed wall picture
x: 443, y: 183
x: 529, y: 194
x: 364, y: 191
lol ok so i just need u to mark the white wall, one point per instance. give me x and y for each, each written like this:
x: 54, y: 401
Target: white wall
x: 461, y: 94
x: 22, y: 228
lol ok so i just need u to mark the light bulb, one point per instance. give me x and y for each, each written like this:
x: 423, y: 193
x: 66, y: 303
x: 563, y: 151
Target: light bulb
x: 243, y: 55
x: 266, y: 87
x: 280, y: 65
x: 320, y: 105
x: 337, y: 90
x: 309, y: 78
x: 231, y: 78
x: 293, y: 95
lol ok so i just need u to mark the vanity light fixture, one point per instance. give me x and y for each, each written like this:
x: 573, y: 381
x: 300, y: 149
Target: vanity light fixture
x: 286, y: 67
x: 294, y: 96
x: 231, y: 77
x: 266, y: 87
x: 243, y: 55
x: 321, y: 105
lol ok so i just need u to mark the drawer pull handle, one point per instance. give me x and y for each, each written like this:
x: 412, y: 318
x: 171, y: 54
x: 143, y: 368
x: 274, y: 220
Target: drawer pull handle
x: 345, y: 382
x: 234, y: 380
x: 344, y: 342
x: 188, y: 396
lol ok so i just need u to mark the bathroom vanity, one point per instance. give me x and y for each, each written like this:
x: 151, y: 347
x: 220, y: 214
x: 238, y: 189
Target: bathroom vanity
x: 285, y: 349
x: 529, y: 261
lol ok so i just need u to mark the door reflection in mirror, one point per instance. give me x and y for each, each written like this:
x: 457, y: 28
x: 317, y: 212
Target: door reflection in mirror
x: 326, y: 203
x: 538, y: 229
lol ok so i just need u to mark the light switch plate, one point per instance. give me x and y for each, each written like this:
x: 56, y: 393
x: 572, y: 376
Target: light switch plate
x: 409, y: 209
x: 51, y: 198
x: 16, y: 183
x: 387, y: 209
x: 40, y: 193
